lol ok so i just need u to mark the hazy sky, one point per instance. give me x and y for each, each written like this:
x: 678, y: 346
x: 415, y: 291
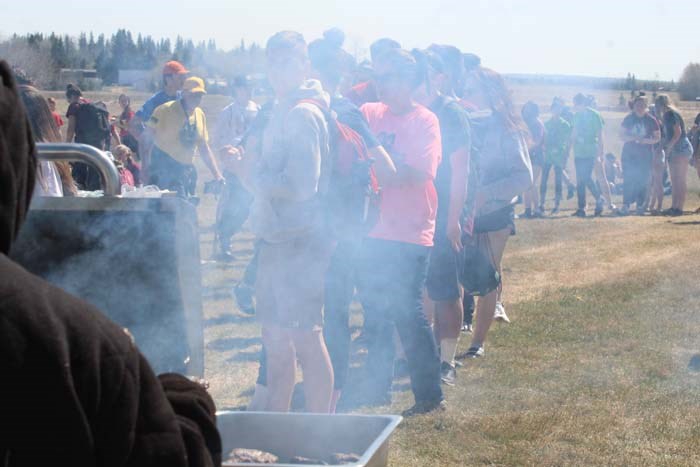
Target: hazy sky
x: 590, y: 37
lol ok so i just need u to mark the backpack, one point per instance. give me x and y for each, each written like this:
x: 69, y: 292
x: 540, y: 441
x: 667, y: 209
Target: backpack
x: 92, y: 125
x: 351, y: 201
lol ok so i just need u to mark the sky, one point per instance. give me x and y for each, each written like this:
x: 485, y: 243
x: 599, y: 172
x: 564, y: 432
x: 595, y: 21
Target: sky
x: 608, y: 38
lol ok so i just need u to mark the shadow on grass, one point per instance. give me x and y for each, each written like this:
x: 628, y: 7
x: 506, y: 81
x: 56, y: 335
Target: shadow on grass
x: 231, y: 343
x: 253, y: 356
x: 228, y: 319
x: 686, y: 223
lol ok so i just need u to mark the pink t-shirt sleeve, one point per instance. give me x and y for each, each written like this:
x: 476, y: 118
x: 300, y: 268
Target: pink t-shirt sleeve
x: 427, y: 144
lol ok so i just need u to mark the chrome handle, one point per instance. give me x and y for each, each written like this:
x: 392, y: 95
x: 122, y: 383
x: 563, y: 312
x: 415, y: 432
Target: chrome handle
x: 86, y: 154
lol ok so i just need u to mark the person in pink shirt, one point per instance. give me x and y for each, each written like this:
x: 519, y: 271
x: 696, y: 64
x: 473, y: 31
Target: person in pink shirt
x: 394, y: 258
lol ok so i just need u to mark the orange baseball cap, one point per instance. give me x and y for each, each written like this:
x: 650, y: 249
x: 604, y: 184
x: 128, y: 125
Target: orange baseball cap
x: 174, y: 68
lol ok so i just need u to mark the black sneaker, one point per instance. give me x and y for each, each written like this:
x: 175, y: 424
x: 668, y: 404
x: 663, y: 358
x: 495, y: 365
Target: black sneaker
x: 599, y: 207
x: 424, y: 407
x: 472, y: 352
x: 244, y: 298
x: 448, y: 374
x: 579, y: 213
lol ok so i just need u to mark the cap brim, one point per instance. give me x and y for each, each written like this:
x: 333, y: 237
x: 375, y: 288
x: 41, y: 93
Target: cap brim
x: 196, y: 91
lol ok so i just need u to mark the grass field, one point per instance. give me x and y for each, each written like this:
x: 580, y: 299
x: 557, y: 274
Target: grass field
x: 592, y: 371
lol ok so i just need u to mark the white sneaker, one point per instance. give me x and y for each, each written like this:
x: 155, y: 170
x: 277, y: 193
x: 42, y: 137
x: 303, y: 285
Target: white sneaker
x: 500, y: 313
x: 467, y: 328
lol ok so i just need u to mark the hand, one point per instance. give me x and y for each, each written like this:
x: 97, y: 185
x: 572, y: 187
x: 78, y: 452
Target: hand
x: 454, y: 235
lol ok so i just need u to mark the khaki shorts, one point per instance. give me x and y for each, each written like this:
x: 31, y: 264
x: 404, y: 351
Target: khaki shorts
x: 289, y: 289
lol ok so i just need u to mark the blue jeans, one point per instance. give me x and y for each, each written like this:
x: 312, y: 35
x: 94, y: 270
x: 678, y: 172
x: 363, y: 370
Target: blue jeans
x: 390, y: 281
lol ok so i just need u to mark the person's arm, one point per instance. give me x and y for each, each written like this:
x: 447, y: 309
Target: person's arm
x: 210, y: 160
x: 70, y: 131
x: 383, y: 164
x: 676, y: 136
x: 459, y: 161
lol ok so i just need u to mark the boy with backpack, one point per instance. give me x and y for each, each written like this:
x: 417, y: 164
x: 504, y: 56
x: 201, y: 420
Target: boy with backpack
x: 287, y: 170
x: 88, y: 123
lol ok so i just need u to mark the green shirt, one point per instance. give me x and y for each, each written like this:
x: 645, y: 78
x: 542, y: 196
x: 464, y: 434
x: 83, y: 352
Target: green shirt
x: 587, y: 125
x: 557, y: 140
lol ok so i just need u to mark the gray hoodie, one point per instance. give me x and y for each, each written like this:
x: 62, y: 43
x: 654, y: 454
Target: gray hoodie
x: 502, y: 164
x: 288, y: 175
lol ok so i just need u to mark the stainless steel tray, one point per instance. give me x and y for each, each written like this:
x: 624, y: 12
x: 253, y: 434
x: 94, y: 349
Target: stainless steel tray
x: 309, y: 435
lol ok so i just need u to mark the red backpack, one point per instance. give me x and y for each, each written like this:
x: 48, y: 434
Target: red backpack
x: 351, y: 202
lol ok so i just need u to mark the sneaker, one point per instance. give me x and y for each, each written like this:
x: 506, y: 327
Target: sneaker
x: 570, y: 192
x: 579, y: 213
x: 623, y: 211
x: 448, y: 374
x: 612, y: 207
x: 424, y: 407
x: 500, y: 313
x: 640, y: 211
x: 555, y: 211
x: 472, y: 352
x: 244, y: 298
x: 538, y: 214
x: 599, y: 207
x: 467, y: 328
x: 677, y: 212
x: 528, y: 213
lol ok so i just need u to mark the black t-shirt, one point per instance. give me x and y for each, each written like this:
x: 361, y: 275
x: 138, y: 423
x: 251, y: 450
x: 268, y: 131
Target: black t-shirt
x: 642, y: 128
x: 671, y: 119
x: 349, y: 114
x: 456, y: 133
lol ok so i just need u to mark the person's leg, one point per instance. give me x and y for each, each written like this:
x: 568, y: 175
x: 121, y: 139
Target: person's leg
x: 601, y: 177
x: 558, y: 175
x: 543, y: 184
x: 645, y: 177
x: 468, y: 306
x: 581, y: 167
x: 377, y: 262
x: 281, y: 368
x: 316, y: 366
x: 629, y: 186
x: 258, y: 402
x: 590, y: 183
x: 444, y: 288
x: 413, y: 327
x: 679, y: 181
x: 486, y: 305
x: 449, y: 327
x: 336, y: 331
x: 534, y: 193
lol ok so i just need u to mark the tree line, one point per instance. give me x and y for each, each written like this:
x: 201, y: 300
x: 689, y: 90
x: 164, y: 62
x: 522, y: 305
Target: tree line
x: 42, y: 56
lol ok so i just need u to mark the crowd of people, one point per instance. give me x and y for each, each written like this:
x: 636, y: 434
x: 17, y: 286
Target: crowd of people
x: 394, y: 181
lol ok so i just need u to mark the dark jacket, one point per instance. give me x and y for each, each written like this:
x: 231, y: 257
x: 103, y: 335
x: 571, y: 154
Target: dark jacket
x: 75, y: 389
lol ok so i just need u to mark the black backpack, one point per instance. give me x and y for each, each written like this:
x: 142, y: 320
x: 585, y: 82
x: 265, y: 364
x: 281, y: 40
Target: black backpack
x: 92, y: 125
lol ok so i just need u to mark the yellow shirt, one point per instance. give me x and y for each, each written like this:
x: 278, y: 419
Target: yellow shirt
x: 168, y: 121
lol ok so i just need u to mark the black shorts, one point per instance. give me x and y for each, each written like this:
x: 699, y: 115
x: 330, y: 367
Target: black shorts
x: 496, y: 220
x: 443, y: 271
